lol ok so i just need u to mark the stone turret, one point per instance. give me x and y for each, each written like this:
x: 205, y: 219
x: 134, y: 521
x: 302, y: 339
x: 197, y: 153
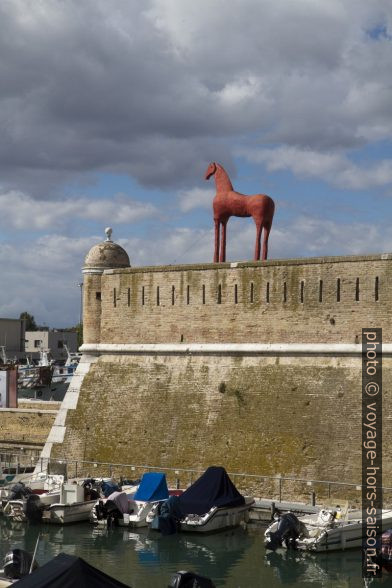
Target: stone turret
x: 105, y: 255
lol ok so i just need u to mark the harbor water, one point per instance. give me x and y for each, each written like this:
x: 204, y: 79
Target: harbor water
x: 144, y: 559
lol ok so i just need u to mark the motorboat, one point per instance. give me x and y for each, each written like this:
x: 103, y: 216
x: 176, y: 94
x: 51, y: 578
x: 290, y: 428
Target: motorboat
x: 14, y: 474
x: 381, y: 560
x: 130, y: 508
x: 45, y: 379
x: 21, y: 501
x: 61, y: 503
x: 152, y: 490
x: 386, y: 550
x: 334, y: 527
x: 31, y: 506
x: 74, y: 505
x: 212, y: 503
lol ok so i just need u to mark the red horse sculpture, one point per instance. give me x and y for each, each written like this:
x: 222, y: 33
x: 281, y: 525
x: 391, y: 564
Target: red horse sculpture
x: 229, y: 203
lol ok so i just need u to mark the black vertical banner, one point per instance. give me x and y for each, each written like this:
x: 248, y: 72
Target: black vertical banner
x: 372, y: 499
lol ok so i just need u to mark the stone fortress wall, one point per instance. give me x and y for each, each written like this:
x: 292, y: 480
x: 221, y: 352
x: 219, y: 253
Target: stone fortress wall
x: 302, y: 300
x: 255, y: 366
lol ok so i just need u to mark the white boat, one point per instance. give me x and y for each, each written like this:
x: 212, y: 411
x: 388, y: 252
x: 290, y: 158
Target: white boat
x: 37, y: 492
x: 46, y: 380
x: 71, y: 506
x: 211, y: 504
x: 151, y: 491
x: 217, y: 519
x: 130, y: 507
x: 331, y: 529
x: 18, y: 510
x: 114, y: 509
x: 12, y: 474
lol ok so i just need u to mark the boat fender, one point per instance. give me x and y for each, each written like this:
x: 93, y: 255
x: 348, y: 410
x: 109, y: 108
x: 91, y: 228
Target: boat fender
x: 184, y: 579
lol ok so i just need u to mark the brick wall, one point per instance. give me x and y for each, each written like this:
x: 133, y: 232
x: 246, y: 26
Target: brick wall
x: 21, y: 427
x: 266, y: 414
x: 309, y: 300
x: 262, y: 415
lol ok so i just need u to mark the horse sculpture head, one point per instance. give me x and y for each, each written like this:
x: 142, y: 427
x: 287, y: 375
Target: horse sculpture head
x: 211, y: 169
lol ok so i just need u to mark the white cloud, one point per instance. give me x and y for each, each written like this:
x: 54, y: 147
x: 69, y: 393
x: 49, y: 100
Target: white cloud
x: 151, y: 91
x: 21, y: 211
x: 157, y: 90
x: 195, y: 198
x: 42, y: 276
x: 332, y: 167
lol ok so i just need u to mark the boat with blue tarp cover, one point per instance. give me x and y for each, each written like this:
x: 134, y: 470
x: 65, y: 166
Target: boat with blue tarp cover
x: 212, y: 503
x: 131, y: 508
x: 153, y: 487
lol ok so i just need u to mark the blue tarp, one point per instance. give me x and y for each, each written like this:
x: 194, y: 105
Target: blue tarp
x: 108, y: 488
x: 152, y: 487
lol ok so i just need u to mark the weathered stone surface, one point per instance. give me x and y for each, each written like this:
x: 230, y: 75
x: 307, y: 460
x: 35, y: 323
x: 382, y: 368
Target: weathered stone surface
x: 106, y: 255
x: 268, y: 413
x: 297, y: 416
x: 25, y: 426
x: 249, y: 303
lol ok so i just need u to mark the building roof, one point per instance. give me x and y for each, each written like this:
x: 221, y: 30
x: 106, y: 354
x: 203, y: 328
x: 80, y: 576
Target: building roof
x: 106, y: 255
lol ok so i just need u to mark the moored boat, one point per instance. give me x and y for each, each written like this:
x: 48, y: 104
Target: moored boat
x: 61, y: 503
x: 332, y: 529
x: 151, y: 491
x: 74, y: 505
x: 68, y: 570
x: 210, y: 504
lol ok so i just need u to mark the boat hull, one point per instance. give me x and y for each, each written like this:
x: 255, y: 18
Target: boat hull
x: 349, y: 536
x: 138, y: 518
x: 64, y: 514
x: 16, y: 509
x: 339, y: 536
x: 220, y: 519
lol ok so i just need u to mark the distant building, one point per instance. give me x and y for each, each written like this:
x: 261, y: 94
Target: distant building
x: 54, y: 340
x: 12, y: 338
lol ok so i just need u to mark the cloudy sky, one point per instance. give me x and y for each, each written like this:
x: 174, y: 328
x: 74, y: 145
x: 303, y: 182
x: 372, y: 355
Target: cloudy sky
x: 111, y: 110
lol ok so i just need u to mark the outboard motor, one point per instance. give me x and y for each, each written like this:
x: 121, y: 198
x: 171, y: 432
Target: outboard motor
x: 17, y: 564
x: 34, y: 508
x: 89, y: 483
x: 109, y: 511
x: 288, y: 531
x: 19, y: 491
x: 100, y: 510
x: 190, y: 580
x: 90, y: 489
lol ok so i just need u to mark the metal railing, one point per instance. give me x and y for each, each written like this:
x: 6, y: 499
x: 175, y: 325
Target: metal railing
x: 277, y: 488
x: 273, y: 487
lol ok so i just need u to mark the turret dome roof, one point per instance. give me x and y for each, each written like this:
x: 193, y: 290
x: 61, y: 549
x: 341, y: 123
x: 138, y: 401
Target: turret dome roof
x: 106, y: 255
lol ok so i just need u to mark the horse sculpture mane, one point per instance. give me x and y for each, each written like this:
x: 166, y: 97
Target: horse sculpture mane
x: 229, y: 203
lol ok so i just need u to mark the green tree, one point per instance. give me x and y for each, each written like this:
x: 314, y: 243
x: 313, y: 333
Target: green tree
x: 30, y: 323
x: 79, y: 330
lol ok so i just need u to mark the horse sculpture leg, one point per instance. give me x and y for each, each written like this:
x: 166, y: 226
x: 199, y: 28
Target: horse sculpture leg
x: 216, y: 252
x: 265, y: 241
x: 223, y: 243
x: 258, y: 239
